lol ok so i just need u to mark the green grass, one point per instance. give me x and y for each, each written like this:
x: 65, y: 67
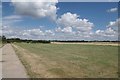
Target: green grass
x: 1, y: 43
x: 76, y: 60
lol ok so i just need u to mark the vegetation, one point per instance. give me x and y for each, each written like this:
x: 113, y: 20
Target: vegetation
x: 0, y: 41
x: 12, y: 40
x: 27, y: 41
x: 68, y: 60
x: 3, y: 40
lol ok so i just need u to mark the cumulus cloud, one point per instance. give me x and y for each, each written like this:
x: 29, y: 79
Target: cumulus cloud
x: 35, y: 33
x: 112, y: 27
x: 69, y: 22
x: 112, y: 10
x: 67, y: 29
x: 64, y: 30
x: 69, y: 26
x: 36, y: 9
x: 7, y: 31
x: 66, y: 34
x: 114, y: 23
x: 49, y: 32
x: 32, y: 32
x: 109, y: 32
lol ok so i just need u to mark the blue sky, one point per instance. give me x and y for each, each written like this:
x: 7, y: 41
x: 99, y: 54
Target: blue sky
x: 35, y: 24
x: 94, y: 11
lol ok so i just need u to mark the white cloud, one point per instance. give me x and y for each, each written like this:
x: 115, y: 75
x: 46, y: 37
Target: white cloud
x: 67, y: 29
x: 49, y: 32
x: 64, y: 30
x: 114, y: 23
x: 69, y: 22
x: 36, y: 9
x: 109, y: 32
x: 11, y: 19
x: 66, y: 19
x: 66, y: 34
x: 83, y: 29
x: 8, y: 31
x: 34, y: 0
x: 112, y: 10
x: 35, y: 33
x: 72, y: 27
x: 32, y: 32
x: 69, y: 26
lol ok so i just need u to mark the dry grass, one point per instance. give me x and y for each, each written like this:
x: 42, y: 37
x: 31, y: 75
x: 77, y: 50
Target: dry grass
x: 68, y: 60
x: 30, y: 60
x: 89, y: 43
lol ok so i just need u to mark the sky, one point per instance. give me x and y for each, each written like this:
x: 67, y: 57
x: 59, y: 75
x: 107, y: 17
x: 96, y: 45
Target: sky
x: 60, y: 20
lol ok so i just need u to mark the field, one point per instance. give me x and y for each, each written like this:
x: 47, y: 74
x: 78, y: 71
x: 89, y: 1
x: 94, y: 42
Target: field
x: 1, y: 43
x: 68, y: 60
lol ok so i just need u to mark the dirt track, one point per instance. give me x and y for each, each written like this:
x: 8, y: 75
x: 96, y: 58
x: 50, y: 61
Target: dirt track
x: 11, y: 65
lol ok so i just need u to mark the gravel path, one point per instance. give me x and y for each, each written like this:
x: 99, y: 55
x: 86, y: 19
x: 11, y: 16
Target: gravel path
x: 11, y: 65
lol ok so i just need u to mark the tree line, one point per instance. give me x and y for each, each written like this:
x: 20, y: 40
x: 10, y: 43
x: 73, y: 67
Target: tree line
x: 11, y: 40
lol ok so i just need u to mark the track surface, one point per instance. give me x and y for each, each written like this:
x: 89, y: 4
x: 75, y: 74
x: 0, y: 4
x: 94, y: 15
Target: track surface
x: 11, y: 65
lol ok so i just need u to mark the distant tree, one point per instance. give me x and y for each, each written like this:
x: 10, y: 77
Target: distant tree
x: 3, y: 39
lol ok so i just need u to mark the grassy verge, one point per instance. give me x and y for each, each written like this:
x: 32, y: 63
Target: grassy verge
x: 1, y: 44
x: 24, y: 62
x: 69, y: 60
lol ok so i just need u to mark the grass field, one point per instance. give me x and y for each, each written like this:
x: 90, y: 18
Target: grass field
x: 1, y: 43
x: 68, y: 60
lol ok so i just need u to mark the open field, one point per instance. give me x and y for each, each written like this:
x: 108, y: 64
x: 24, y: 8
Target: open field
x: 90, y: 43
x: 1, y: 44
x: 68, y: 60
